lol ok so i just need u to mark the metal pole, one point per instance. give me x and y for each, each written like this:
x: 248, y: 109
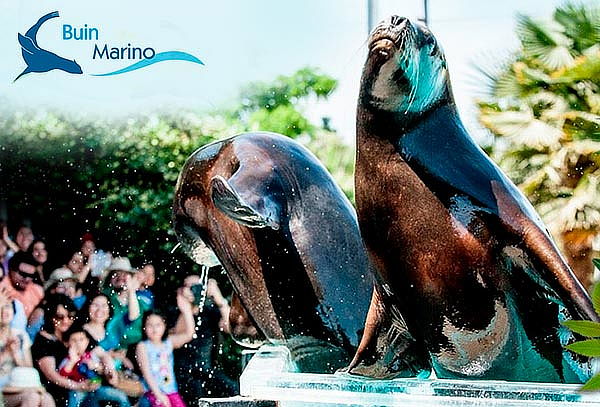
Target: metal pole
x: 426, y: 12
x: 370, y: 15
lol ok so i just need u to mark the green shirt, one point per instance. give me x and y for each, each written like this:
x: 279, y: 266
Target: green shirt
x: 121, y: 332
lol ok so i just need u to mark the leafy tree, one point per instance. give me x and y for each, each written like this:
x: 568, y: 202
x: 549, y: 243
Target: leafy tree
x: 544, y: 110
x: 277, y: 106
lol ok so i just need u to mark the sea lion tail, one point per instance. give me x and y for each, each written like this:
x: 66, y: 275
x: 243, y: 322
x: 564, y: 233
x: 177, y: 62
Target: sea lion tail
x: 229, y: 201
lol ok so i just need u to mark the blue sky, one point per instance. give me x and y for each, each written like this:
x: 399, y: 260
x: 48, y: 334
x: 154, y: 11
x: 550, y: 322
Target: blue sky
x: 239, y: 41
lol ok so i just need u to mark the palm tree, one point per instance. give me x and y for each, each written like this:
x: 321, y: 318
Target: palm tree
x: 544, y: 111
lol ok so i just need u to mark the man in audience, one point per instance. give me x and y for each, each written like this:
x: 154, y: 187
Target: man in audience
x: 19, y: 283
x: 122, y: 291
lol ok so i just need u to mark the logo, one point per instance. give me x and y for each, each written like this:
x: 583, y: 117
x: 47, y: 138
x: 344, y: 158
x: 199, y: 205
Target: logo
x: 41, y: 60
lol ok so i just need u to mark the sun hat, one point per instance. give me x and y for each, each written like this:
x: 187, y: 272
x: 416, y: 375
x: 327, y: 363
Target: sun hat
x: 121, y: 264
x: 58, y: 275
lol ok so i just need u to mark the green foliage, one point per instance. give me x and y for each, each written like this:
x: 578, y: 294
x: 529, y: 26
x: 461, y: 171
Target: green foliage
x: 117, y: 178
x: 275, y: 106
x: 589, y: 347
x: 284, y: 119
x: 544, y: 111
x: 588, y: 329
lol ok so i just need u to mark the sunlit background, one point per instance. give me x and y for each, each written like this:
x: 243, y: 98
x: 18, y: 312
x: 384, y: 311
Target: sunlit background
x: 242, y: 41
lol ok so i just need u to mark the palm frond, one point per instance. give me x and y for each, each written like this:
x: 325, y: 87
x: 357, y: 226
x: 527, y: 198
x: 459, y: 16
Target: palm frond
x: 581, y: 24
x: 544, y: 41
x: 584, y: 67
x: 581, y: 211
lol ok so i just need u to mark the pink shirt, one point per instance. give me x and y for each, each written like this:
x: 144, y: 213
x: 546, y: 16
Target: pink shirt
x: 30, y: 297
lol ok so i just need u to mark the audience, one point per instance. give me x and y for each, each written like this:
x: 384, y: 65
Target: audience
x: 97, y: 340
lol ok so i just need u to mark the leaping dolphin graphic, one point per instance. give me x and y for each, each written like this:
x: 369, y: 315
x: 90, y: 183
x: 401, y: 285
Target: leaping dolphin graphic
x: 40, y: 60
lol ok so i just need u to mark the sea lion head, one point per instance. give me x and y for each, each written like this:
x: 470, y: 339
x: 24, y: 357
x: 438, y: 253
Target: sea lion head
x: 405, y: 70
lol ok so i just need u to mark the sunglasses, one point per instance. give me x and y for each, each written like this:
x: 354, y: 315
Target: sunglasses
x: 25, y: 274
x: 62, y: 317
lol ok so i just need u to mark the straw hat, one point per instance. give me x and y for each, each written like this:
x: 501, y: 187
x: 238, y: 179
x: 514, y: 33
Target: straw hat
x: 121, y: 264
x: 60, y: 274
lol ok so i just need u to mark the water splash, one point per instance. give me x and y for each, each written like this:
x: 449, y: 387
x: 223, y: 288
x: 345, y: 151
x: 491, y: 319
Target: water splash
x: 204, y: 283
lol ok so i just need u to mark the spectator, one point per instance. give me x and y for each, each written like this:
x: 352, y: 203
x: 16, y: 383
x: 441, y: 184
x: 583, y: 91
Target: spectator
x: 147, y: 275
x: 82, y: 272
x: 61, y: 281
x: 15, y: 352
x: 3, y: 257
x: 88, y: 247
x: 196, y: 373
x: 40, y: 254
x: 155, y: 356
x: 24, y: 238
x: 19, y: 283
x: 97, y: 259
x: 122, y: 292
x: 48, y: 350
x: 86, y: 361
x: 101, y: 324
x: 19, y: 319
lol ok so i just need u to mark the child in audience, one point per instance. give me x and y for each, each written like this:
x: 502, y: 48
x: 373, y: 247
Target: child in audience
x: 155, y: 356
x: 86, y: 361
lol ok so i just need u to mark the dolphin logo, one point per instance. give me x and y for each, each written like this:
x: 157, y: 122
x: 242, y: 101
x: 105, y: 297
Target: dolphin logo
x: 40, y: 60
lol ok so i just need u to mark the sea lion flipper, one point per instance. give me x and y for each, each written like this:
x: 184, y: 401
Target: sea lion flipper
x: 229, y: 200
x: 542, y: 249
x: 387, y: 349
x: 27, y: 44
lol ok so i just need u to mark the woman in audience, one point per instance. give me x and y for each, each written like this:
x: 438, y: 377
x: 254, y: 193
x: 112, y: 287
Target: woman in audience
x: 48, y: 350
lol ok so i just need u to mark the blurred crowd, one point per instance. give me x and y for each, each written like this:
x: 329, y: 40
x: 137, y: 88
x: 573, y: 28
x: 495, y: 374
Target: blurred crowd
x: 90, y: 333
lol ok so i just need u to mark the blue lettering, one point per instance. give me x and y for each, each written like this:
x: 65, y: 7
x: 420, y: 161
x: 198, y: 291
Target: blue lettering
x: 67, y: 32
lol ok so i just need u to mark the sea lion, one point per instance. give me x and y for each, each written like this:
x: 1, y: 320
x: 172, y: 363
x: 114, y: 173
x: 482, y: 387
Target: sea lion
x: 288, y: 239
x: 469, y: 263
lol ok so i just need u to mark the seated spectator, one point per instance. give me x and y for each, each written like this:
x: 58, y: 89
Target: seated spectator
x: 15, y: 352
x: 82, y: 272
x: 61, y: 281
x: 19, y: 320
x: 48, y: 350
x: 122, y: 291
x: 146, y: 275
x: 107, y: 330
x: 86, y: 361
x: 155, y: 356
x: 196, y: 373
x: 19, y: 282
x: 97, y: 259
x: 24, y: 238
x: 40, y: 254
x: 3, y: 257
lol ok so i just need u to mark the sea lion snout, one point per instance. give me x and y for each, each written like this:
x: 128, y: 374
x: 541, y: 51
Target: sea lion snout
x: 390, y: 34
